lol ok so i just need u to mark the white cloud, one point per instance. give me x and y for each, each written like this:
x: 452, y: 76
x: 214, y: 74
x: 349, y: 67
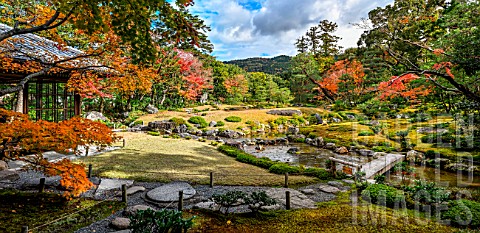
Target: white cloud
x: 250, y: 28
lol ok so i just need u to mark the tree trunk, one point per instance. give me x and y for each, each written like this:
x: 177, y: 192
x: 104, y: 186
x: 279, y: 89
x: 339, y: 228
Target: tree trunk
x: 163, y: 97
x: 19, y: 105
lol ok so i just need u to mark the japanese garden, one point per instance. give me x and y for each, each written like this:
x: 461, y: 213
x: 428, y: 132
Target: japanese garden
x: 141, y: 116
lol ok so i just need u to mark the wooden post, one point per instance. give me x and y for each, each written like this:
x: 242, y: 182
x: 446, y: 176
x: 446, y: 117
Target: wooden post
x: 86, y: 151
x: 90, y: 171
x: 287, y: 200
x: 180, y: 200
x: 286, y: 179
x: 41, y: 187
x: 124, y: 143
x: 211, y: 179
x: 24, y: 229
x: 124, y: 193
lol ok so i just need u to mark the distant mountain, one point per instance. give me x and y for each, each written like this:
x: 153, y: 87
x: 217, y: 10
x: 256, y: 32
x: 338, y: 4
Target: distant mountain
x: 276, y: 65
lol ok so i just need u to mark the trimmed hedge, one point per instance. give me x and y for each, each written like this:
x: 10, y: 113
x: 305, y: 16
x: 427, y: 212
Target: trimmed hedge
x: 272, y: 166
x: 198, y: 120
x: 375, y: 191
x: 233, y: 119
x: 282, y: 168
x: 463, y: 213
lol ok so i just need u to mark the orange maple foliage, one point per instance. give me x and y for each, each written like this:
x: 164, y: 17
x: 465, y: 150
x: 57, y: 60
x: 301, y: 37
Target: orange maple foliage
x: 400, y: 86
x: 20, y: 137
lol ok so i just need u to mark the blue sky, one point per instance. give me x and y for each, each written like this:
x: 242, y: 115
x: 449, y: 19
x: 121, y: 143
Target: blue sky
x: 267, y: 28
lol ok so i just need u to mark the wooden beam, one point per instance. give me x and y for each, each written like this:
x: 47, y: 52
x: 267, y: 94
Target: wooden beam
x: 345, y: 162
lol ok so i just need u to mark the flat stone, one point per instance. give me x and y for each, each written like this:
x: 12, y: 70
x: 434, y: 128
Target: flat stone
x: 328, y: 189
x: 135, y: 189
x: 335, y: 184
x: 110, y: 184
x: 169, y: 192
x: 207, y: 205
x: 9, y: 175
x: 120, y: 223
x: 308, y: 191
x: 298, y: 200
x: 3, y: 165
x: 132, y: 210
x: 348, y: 181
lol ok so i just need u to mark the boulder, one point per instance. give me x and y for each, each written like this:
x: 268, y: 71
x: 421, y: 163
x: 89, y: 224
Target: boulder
x: 454, y: 167
x: 350, y: 117
x: 335, y: 184
x: 341, y: 150
x: 364, y: 152
x: 3, y: 165
x: 181, y: 129
x: 292, y: 150
x: 151, y: 109
x: 309, y: 141
x: 349, y: 181
x: 120, y: 223
x: 210, y: 133
x: 161, y: 125
x: 336, y: 120
x: 328, y: 189
x: 319, y: 142
x: 298, y: 137
x: 229, y: 134
x: 374, y: 123
x: 285, y: 112
x: 95, y: 116
x: 237, y: 145
x: 330, y: 145
x: 132, y: 210
x: 293, y: 130
x: 414, y: 155
x: 135, y: 189
x: 308, y: 191
x: 212, y: 123
x: 319, y: 119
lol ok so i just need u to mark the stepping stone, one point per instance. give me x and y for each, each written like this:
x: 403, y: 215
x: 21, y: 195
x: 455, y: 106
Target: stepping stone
x: 328, y: 189
x: 120, y: 223
x: 349, y: 181
x: 298, y: 200
x: 109, y: 184
x: 9, y: 175
x: 335, y: 184
x: 123, y: 231
x: 132, y: 190
x: 308, y: 191
x: 131, y: 210
x: 169, y: 192
x: 208, y: 205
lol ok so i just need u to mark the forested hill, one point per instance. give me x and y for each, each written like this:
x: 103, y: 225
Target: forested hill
x: 274, y: 65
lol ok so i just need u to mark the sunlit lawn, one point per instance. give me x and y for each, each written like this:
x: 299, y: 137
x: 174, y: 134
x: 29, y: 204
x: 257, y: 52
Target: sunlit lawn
x: 153, y: 158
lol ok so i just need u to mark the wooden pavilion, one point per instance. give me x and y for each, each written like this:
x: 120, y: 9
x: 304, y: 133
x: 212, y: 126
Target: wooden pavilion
x: 43, y: 97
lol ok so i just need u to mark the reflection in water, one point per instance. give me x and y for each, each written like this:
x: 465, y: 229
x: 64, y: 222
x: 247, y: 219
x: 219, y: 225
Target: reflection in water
x: 443, y: 178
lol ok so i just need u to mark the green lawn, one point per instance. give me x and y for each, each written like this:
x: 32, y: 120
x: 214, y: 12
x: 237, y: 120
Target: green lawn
x: 154, y: 158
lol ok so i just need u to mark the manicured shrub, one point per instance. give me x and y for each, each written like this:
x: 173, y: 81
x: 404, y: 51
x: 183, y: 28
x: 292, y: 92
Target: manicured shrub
x: 281, y: 121
x: 233, y: 119
x: 383, y: 149
x: 375, y: 192
x: 246, y: 158
x: 220, y: 124
x: 282, y: 168
x: 264, y: 162
x: 160, y: 221
x: 318, y: 172
x: 366, y: 133
x: 463, y: 213
x: 199, y: 121
x: 178, y: 121
x: 153, y: 133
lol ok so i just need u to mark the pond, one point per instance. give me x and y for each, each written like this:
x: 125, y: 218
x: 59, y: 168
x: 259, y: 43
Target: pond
x: 443, y: 178
x: 311, y: 156
x: 308, y: 156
